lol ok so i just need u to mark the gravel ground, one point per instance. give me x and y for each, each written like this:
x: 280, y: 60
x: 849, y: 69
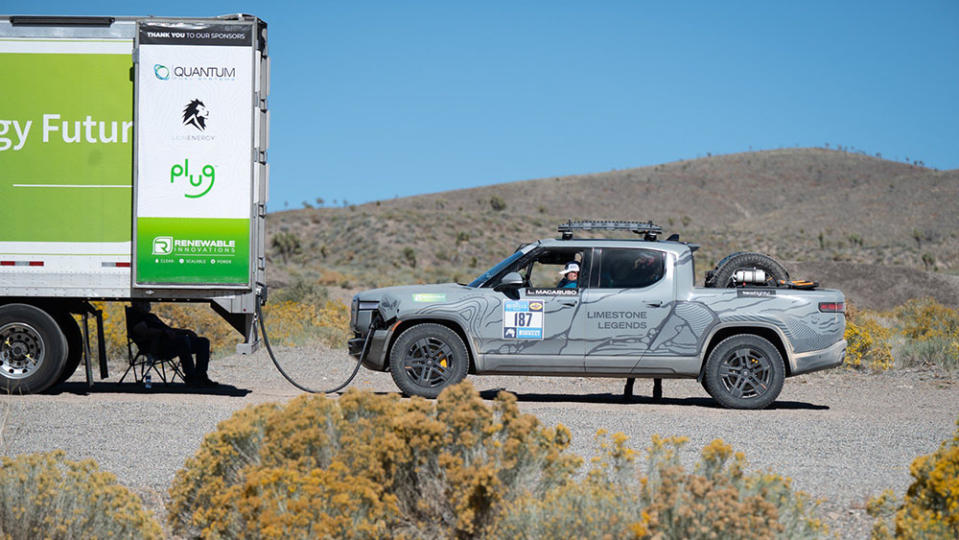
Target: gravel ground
x: 841, y: 436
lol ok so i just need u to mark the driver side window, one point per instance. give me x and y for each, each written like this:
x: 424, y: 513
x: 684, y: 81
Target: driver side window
x: 552, y: 268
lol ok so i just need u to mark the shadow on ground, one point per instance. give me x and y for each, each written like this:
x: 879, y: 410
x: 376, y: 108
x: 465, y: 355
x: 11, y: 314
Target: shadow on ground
x: 619, y: 399
x: 82, y: 389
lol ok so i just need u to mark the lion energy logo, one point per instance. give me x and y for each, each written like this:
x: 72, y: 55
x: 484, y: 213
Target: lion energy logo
x: 195, y: 114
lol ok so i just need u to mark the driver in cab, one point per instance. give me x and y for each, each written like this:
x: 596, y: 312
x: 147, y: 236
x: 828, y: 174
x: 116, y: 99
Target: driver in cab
x: 570, y: 276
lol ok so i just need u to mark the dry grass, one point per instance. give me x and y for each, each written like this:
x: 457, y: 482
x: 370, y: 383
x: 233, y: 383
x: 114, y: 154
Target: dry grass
x: 288, y: 322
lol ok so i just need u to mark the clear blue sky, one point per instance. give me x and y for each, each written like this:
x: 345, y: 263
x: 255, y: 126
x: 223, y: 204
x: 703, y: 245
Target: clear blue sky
x: 376, y: 99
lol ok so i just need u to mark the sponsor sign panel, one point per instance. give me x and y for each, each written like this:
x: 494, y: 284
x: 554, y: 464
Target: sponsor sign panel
x: 194, y: 154
x: 523, y: 319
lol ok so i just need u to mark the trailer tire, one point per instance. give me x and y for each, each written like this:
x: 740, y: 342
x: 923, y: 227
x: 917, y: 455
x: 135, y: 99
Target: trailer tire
x: 33, y: 349
x: 722, y: 276
x: 71, y: 331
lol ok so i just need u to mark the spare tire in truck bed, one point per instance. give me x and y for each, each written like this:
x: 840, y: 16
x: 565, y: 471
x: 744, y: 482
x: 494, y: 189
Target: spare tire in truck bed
x: 722, y: 275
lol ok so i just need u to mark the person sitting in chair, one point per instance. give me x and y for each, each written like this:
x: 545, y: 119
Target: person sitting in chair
x: 570, y: 276
x: 150, y: 331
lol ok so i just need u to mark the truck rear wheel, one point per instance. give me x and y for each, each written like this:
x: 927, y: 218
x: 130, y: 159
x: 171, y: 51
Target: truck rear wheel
x: 744, y: 371
x: 33, y: 350
x: 427, y: 358
x: 722, y: 276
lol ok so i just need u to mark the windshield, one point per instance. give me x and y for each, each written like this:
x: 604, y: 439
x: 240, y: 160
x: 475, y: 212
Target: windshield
x: 496, y: 269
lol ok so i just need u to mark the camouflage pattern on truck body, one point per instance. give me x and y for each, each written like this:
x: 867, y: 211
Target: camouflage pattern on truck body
x: 661, y: 330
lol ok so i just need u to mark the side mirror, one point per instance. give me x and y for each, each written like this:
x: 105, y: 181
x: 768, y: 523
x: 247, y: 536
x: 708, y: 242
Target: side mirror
x: 510, y: 281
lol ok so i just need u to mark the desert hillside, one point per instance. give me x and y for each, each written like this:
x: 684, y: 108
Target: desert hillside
x: 885, y: 230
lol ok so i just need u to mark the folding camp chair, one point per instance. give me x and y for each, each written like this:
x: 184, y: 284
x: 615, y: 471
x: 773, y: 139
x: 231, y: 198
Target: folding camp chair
x: 147, y: 357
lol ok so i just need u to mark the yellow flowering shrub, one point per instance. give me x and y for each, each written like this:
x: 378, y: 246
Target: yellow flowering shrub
x: 288, y: 323
x: 624, y: 497
x: 46, y: 496
x: 932, y: 334
x: 868, y: 344
x: 930, y: 508
x: 367, y: 465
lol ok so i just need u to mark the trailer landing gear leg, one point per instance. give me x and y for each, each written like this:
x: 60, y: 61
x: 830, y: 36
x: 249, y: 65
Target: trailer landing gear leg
x: 628, y: 389
x: 657, y: 389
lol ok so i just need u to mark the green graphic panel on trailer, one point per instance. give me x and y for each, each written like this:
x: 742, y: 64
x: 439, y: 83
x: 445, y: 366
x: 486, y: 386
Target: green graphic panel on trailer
x: 196, y: 250
x: 66, y: 147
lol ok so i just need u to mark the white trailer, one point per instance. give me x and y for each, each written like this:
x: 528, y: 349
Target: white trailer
x: 132, y: 166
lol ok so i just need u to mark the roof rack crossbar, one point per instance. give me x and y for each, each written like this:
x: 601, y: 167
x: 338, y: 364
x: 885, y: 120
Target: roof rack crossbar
x: 646, y: 228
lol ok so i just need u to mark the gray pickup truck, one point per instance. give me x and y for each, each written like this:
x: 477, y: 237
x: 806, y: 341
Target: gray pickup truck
x: 632, y: 310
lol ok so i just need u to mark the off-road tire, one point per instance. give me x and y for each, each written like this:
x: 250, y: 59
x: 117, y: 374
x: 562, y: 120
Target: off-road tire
x: 722, y: 276
x: 33, y: 349
x: 427, y: 358
x: 744, y: 371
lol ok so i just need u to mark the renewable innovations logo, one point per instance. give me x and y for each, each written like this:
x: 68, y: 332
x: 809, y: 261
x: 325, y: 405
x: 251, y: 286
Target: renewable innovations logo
x: 163, y: 245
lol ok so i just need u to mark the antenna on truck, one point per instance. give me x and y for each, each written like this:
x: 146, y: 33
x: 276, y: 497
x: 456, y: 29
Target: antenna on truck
x: 648, y: 229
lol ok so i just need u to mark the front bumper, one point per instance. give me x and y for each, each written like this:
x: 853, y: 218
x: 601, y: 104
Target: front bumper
x: 822, y: 359
x: 375, y: 358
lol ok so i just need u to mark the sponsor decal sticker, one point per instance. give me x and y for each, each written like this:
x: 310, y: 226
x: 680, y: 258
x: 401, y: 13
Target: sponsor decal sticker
x: 429, y: 297
x: 523, y: 319
x: 552, y: 292
x: 755, y: 293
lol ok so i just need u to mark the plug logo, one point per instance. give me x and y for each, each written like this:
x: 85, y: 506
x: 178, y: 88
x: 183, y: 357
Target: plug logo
x: 163, y: 245
x: 207, y: 174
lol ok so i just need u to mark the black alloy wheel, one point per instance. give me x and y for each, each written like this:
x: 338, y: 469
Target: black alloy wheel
x: 744, y: 371
x: 428, y: 358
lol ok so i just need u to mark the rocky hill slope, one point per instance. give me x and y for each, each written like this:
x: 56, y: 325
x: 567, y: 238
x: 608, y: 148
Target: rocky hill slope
x: 841, y: 218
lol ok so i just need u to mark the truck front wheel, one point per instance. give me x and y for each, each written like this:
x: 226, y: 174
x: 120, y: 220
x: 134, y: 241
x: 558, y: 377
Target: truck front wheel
x: 744, y: 371
x: 33, y: 350
x: 427, y: 358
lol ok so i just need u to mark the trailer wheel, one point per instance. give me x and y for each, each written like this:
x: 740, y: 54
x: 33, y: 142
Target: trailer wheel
x: 427, y: 358
x: 722, y: 276
x: 71, y: 330
x: 33, y: 349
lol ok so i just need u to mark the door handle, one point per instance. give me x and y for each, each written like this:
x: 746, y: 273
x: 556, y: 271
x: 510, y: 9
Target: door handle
x: 568, y: 302
x: 654, y: 303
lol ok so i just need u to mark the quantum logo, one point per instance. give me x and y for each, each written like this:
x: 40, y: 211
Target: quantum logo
x: 163, y: 245
x: 162, y: 72
x: 204, y: 72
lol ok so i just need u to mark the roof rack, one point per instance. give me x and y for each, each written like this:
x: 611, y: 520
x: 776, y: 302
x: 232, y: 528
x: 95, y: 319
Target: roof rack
x: 648, y: 229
